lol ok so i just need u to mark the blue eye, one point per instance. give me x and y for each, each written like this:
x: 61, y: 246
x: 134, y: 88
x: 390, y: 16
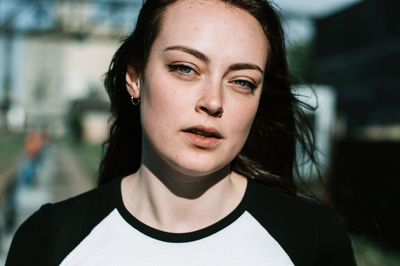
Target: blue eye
x: 245, y: 83
x: 184, y: 69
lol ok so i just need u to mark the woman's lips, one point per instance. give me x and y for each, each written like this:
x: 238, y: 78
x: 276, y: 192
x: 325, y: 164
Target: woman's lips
x: 202, y: 142
x: 203, y: 137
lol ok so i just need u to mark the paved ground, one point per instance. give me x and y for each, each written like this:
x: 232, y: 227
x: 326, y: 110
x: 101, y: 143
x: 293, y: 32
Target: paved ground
x: 60, y: 176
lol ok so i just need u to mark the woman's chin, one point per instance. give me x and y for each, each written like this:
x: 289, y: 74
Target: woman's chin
x: 200, y: 167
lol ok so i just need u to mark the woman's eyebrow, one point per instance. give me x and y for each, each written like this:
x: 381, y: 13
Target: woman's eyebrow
x: 203, y: 57
x: 188, y: 50
x: 240, y: 66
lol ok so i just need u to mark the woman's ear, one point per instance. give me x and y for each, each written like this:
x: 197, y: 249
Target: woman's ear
x: 132, y: 78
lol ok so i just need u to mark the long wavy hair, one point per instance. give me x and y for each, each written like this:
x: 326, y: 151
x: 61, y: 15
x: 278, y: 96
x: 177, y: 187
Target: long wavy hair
x: 280, y: 125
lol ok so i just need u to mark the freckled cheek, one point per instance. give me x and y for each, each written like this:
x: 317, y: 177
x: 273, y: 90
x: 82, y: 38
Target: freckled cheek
x: 243, y: 123
x: 159, y: 108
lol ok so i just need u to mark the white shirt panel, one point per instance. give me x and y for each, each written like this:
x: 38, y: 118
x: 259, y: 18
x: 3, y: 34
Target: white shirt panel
x: 115, y: 242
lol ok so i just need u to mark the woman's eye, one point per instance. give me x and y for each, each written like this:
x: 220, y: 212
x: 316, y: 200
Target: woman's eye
x: 184, y: 69
x: 246, y: 84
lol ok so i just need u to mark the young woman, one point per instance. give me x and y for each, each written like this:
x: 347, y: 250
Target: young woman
x: 198, y: 166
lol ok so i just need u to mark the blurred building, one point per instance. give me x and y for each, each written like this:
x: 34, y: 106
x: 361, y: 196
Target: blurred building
x: 56, y: 52
x: 357, y: 51
x: 58, y: 69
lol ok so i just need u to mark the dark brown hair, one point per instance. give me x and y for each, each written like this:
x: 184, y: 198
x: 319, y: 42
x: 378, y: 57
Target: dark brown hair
x: 269, y: 154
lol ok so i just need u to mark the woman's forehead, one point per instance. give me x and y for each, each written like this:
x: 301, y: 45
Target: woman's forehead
x: 215, y: 28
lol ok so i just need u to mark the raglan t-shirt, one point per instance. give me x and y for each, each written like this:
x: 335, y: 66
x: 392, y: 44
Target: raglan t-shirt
x: 268, y: 227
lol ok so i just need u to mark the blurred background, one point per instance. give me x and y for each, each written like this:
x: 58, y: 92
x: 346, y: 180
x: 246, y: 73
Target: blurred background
x: 54, y: 111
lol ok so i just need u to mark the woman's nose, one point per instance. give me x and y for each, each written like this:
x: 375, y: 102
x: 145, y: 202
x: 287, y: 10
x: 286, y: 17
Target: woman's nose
x: 210, y: 102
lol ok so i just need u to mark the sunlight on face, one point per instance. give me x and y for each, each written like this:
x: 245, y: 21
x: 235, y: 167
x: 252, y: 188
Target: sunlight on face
x: 202, y: 85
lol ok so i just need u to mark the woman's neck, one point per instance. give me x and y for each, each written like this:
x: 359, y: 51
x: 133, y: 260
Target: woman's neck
x: 181, y: 203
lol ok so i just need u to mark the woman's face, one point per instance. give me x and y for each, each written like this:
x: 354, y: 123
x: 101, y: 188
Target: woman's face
x: 202, y: 85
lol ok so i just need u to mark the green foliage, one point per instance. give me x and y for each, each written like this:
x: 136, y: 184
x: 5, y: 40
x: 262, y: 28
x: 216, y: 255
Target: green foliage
x: 11, y: 146
x: 368, y: 253
x: 299, y: 60
x: 89, y: 155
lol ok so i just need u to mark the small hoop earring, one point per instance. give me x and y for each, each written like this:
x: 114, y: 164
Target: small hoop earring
x: 135, y: 101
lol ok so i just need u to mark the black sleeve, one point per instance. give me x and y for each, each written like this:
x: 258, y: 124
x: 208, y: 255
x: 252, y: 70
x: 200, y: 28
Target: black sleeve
x: 30, y: 240
x: 52, y: 232
x: 333, y: 245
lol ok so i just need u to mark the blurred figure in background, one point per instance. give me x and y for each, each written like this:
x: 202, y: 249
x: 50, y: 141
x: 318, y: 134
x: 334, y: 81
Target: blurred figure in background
x: 35, y: 143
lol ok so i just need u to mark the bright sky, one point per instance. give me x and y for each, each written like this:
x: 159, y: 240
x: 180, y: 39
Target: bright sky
x: 298, y: 25
x: 314, y: 7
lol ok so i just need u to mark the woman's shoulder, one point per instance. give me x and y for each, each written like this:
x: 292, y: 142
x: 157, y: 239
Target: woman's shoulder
x: 305, y: 228
x: 63, y: 225
x: 270, y: 199
x: 90, y: 203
